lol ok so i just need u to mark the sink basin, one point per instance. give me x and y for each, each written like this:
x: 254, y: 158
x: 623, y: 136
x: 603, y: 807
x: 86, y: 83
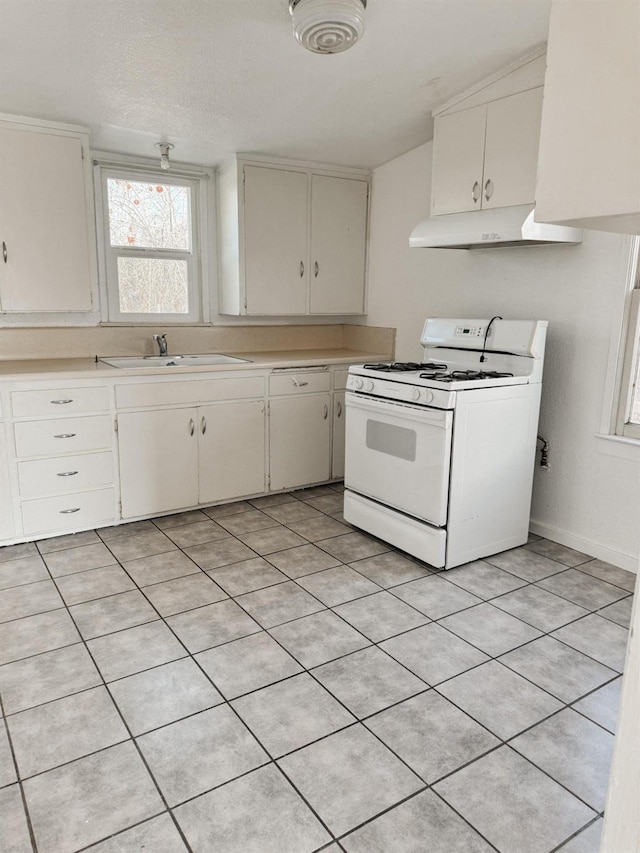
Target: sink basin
x: 173, y: 360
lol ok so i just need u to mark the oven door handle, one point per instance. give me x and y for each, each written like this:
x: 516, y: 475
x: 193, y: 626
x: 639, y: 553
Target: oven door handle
x: 436, y: 417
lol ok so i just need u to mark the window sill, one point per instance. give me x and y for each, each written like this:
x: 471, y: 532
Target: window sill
x: 617, y: 445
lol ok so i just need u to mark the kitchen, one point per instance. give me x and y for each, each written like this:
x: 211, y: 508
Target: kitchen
x: 585, y: 499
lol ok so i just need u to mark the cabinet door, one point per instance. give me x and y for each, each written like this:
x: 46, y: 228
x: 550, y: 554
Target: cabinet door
x: 511, y: 149
x: 232, y: 450
x: 158, y: 461
x: 458, y: 155
x: 338, y: 245
x: 6, y: 498
x: 300, y: 434
x: 275, y: 241
x: 337, y: 455
x: 43, y: 223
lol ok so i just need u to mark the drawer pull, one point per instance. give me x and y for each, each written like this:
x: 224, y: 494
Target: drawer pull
x: 67, y: 474
x: 61, y: 402
x: 67, y: 511
x: 325, y: 411
x: 298, y: 384
x: 66, y: 435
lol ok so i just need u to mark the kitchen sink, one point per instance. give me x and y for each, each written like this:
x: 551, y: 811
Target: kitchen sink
x: 173, y: 360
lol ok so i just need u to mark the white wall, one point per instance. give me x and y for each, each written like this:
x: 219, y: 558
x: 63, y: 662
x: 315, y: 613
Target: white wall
x: 588, y: 499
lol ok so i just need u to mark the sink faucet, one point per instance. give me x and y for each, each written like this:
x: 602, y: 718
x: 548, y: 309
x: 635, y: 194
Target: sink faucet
x: 161, y: 340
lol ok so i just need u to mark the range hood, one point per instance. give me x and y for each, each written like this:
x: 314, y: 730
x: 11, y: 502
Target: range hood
x: 490, y: 229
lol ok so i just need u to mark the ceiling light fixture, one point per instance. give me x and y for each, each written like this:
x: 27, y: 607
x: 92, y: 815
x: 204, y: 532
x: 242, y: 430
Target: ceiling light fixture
x: 327, y: 26
x: 165, y: 147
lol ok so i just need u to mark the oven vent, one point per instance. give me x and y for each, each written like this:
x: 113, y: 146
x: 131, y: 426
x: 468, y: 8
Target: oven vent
x: 490, y: 229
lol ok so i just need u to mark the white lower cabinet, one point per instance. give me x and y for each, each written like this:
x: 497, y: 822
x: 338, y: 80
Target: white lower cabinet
x: 6, y: 502
x: 231, y: 444
x: 337, y: 449
x: 176, y: 458
x: 299, y: 440
x: 158, y: 461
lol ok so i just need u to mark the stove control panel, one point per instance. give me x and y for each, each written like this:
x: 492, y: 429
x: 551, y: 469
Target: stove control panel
x: 402, y: 392
x: 470, y: 331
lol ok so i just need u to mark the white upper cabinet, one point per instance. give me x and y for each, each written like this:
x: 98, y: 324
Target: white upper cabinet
x: 458, y: 160
x: 46, y: 261
x: 293, y: 239
x: 486, y: 156
x: 275, y: 241
x: 589, y: 170
x: 338, y: 245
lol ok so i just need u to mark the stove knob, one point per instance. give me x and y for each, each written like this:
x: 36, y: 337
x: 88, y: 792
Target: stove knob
x: 428, y: 396
x: 369, y: 386
x: 416, y: 395
x: 358, y: 383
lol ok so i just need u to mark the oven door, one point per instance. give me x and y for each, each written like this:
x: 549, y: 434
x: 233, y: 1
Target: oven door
x: 399, y: 455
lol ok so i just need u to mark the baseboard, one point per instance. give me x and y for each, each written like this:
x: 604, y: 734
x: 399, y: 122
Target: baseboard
x: 587, y: 546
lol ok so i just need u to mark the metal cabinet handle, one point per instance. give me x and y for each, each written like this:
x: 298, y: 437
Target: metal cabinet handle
x: 203, y: 424
x: 316, y: 270
x: 67, y: 511
x: 301, y: 269
x: 67, y: 474
x: 339, y: 409
x: 60, y: 402
x: 475, y: 195
x: 488, y: 189
x: 297, y: 383
x: 66, y: 435
x: 325, y: 410
x: 4, y: 252
x: 192, y: 426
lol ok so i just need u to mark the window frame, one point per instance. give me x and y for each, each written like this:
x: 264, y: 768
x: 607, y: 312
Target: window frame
x: 624, y: 428
x: 199, y: 181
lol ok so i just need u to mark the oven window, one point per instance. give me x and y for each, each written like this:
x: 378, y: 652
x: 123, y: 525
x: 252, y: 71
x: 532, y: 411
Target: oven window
x: 392, y: 440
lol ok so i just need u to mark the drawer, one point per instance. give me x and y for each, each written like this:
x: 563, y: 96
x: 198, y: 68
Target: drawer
x: 64, y: 513
x: 299, y: 382
x: 194, y: 392
x: 340, y: 379
x: 59, y: 401
x: 62, y: 474
x: 63, y: 435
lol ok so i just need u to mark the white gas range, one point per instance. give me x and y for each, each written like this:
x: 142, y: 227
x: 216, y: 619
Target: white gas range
x: 440, y: 455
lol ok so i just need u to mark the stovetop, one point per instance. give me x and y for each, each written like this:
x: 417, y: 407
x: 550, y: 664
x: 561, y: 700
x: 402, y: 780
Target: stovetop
x: 435, y: 374
x: 437, y: 371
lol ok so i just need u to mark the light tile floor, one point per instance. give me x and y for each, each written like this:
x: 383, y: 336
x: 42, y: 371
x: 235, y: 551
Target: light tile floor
x: 260, y: 677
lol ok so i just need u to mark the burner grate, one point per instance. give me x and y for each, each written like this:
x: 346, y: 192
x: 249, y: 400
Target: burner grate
x: 463, y: 375
x: 405, y: 366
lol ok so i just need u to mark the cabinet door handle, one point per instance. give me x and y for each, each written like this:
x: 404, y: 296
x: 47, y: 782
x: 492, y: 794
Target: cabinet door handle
x: 475, y: 195
x: 60, y: 402
x: 339, y: 409
x: 203, y: 425
x: 67, y: 474
x: 316, y: 270
x: 298, y: 384
x: 301, y: 269
x: 488, y: 189
x: 66, y: 435
x: 67, y: 511
x: 325, y: 411
x: 192, y: 426
x: 4, y: 252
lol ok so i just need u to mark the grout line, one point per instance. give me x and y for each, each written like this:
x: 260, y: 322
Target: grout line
x: 18, y: 781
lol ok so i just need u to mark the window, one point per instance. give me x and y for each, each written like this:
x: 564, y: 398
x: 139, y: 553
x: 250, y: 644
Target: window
x: 628, y: 422
x: 150, y: 233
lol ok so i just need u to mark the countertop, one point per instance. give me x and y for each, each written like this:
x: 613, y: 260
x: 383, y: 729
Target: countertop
x: 88, y: 368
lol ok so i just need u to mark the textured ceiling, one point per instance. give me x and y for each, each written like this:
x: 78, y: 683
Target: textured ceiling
x: 219, y: 76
